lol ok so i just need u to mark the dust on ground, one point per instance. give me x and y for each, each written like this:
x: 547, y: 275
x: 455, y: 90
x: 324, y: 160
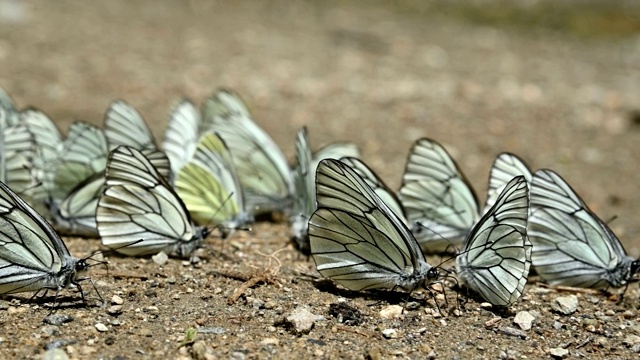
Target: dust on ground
x: 382, y: 76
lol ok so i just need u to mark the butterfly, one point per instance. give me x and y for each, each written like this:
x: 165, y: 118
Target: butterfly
x: 182, y: 134
x: 209, y: 186
x: 16, y: 154
x: 264, y: 173
x: 356, y: 239
x: 304, y: 179
x: 123, y: 125
x: 439, y: 201
x: 138, y: 204
x: 33, y: 257
x: 48, y: 144
x: 571, y: 245
x: 505, y: 167
x: 496, y: 256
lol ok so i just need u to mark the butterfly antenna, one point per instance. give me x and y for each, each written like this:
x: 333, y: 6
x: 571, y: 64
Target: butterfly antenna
x: 612, y: 219
x: 440, y: 236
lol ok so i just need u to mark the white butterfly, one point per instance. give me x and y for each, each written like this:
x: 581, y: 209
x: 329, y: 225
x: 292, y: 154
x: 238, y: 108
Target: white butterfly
x: 209, y: 186
x: 571, y: 245
x: 304, y: 177
x: 263, y: 170
x: 48, y: 140
x: 357, y: 240
x: 182, y: 134
x: 123, y: 125
x: 496, y: 257
x: 505, y: 167
x: 32, y: 255
x: 16, y: 155
x: 139, y: 204
x: 439, y: 202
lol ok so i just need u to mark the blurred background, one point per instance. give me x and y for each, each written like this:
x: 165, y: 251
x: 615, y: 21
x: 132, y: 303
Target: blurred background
x: 557, y: 84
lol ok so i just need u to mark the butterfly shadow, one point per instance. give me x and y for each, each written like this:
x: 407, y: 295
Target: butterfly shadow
x: 378, y: 296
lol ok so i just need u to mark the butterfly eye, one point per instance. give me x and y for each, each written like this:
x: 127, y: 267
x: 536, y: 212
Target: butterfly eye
x: 433, y: 273
x: 81, y: 265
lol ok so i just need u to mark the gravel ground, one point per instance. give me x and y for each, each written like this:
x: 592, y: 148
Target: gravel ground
x: 380, y: 75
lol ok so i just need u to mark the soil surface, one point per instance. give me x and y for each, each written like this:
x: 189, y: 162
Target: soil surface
x: 559, y: 87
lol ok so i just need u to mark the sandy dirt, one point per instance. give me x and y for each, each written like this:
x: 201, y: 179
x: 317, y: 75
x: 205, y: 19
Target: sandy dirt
x: 380, y: 75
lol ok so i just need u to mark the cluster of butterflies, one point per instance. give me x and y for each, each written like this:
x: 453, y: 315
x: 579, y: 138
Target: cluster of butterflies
x: 217, y: 169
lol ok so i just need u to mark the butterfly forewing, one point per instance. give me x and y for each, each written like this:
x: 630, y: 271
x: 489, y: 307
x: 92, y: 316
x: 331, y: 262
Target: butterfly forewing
x: 496, y: 257
x: 356, y: 240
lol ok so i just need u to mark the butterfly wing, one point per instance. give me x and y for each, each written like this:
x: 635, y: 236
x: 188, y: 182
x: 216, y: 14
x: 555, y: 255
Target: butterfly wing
x: 387, y: 195
x: 263, y: 170
x: 138, y: 204
x: 209, y: 185
x: 438, y: 200
x: 123, y: 125
x: 16, y: 155
x: 571, y: 245
x: 356, y: 240
x: 497, y: 253
x: 505, y: 167
x: 182, y: 135
x: 84, y: 154
x: 32, y: 255
x: 48, y: 142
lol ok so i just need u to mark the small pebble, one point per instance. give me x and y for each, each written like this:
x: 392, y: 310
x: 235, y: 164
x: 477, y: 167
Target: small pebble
x: 114, y: 310
x: 270, y: 341
x: 101, y: 327
x: 50, y: 330
x: 558, y: 353
x: 117, y: 300
x: 199, y: 350
x: 301, y: 320
x: 215, y: 330
x: 160, y: 258
x: 507, y: 330
x: 486, y: 305
x: 566, y: 305
x: 390, y: 333
x: 391, y: 311
x: 55, y: 354
x: 631, y: 340
x: 57, y: 319
x: 524, y: 320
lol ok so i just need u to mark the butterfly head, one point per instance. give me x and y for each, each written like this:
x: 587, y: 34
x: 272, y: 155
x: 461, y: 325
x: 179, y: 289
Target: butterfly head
x: 634, y: 270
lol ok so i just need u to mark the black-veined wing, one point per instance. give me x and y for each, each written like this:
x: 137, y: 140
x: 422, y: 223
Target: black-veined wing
x: 263, y: 170
x: 32, y: 255
x: 48, y: 140
x: 12, y: 117
x: 387, y: 195
x: 496, y: 257
x: 75, y: 214
x: 571, y: 245
x: 139, y: 204
x: 16, y: 155
x: 304, y: 203
x: 209, y: 186
x: 181, y: 136
x: 505, y: 167
x: 438, y: 200
x: 84, y: 153
x: 123, y: 125
x: 356, y: 240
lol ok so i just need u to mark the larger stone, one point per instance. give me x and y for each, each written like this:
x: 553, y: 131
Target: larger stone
x: 566, y: 305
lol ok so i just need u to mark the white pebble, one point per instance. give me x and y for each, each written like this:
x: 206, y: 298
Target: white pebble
x: 566, y: 305
x: 524, y: 320
x: 101, y: 327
